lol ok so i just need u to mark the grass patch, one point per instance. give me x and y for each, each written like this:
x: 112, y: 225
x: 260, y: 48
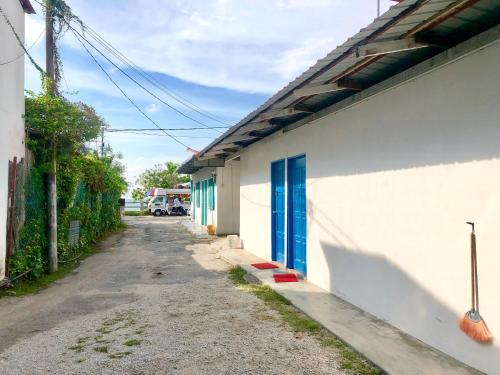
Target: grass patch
x: 119, y: 355
x: 78, y: 348
x: 350, y: 360
x: 136, y: 213
x: 101, y: 349
x: 83, y: 340
x: 25, y: 287
x: 133, y: 342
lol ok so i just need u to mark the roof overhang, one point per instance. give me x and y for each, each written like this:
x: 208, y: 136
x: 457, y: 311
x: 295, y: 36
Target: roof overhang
x: 409, y: 33
x: 28, y: 8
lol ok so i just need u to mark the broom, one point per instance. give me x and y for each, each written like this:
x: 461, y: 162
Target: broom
x: 472, y: 324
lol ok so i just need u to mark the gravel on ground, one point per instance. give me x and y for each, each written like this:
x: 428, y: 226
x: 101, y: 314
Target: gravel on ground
x: 153, y: 300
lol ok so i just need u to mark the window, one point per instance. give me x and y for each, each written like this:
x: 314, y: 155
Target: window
x: 211, y: 194
x: 197, y: 194
x: 158, y: 200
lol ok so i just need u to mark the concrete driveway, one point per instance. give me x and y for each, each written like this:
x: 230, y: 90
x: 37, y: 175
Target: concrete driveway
x: 154, y: 300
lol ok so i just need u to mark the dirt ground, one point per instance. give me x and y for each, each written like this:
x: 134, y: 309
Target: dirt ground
x: 154, y: 300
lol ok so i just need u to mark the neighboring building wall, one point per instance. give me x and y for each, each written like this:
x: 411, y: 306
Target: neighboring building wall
x: 391, y: 182
x: 11, y: 107
x: 228, y: 198
x: 226, y: 214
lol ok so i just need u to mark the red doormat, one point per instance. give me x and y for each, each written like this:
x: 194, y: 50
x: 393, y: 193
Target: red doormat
x: 264, y: 266
x: 285, y: 278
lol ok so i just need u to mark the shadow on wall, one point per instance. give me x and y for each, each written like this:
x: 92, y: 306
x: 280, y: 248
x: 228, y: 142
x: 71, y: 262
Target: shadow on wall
x: 377, y: 285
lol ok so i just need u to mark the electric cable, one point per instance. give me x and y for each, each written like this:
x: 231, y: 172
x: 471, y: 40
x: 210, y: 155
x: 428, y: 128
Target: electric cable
x: 85, y: 27
x: 27, y: 49
x: 123, y: 92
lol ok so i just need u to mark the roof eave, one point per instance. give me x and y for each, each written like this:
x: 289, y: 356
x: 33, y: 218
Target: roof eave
x: 27, y: 7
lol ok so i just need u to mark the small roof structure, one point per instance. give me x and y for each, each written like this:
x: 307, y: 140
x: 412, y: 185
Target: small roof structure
x: 410, y: 32
x: 28, y: 8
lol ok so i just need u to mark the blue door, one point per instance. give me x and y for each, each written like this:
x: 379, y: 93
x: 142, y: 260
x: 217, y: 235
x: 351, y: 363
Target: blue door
x: 297, y: 218
x: 278, y: 210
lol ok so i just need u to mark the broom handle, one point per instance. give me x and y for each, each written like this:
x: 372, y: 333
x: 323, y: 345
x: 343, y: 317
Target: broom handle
x: 474, y: 270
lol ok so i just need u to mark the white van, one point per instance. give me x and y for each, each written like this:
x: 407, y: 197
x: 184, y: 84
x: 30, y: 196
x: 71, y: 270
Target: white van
x: 162, y: 202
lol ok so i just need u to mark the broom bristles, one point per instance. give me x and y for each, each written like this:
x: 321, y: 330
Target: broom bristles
x: 476, y: 330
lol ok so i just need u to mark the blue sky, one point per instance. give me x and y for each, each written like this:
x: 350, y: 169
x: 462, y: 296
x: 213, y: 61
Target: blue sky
x: 225, y: 56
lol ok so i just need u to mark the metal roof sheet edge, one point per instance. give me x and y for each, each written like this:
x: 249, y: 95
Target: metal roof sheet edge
x: 27, y: 7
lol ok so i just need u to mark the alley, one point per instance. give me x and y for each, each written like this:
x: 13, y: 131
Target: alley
x: 153, y: 300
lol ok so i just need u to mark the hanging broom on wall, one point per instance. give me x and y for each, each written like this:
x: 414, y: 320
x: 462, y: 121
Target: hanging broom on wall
x: 472, y: 323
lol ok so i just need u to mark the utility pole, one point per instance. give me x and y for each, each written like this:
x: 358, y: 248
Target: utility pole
x: 378, y: 8
x: 52, y: 183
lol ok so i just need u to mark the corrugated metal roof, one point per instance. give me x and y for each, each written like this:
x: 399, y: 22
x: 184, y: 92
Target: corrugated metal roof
x: 450, y: 20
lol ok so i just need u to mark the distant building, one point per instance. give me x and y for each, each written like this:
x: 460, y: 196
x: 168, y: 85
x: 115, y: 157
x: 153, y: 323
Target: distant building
x: 361, y: 173
x: 11, y: 105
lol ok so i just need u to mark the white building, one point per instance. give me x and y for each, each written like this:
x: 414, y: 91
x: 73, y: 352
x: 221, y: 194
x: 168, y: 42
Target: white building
x: 362, y: 172
x: 11, y: 104
x: 215, y: 194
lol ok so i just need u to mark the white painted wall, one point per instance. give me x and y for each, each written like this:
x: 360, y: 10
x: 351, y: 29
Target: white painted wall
x: 391, y: 182
x: 228, y: 198
x: 11, y: 107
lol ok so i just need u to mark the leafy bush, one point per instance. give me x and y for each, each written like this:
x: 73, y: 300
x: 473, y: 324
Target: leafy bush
x: 88, y: 186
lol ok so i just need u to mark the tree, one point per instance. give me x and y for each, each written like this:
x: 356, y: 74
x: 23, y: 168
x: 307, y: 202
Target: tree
x: 161, y: 176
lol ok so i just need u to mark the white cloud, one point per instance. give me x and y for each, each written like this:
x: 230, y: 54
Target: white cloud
x: 33, y: 29
x: 153, y: 108
x: 247, y: 45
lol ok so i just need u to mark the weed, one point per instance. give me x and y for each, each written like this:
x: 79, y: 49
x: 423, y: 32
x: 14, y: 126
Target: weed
x: 300, y: 323
x: 119, y: 355
x: 101, y: 349
x: 103, y: 330
x: 133, y: 342
x: 83, y: 340
x: 77, y: 348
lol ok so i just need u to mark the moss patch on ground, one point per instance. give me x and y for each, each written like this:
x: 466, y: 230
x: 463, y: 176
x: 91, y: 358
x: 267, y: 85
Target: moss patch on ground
x: 350, y: 360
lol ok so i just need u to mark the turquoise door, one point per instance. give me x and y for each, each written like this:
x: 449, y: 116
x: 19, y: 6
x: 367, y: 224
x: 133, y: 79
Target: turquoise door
x: 204, y: 202
x: 297, y: 218
x: 278, y: 210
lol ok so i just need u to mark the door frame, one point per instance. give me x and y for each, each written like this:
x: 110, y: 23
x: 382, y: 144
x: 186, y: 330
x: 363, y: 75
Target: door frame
x: 274, y: 254
x: 290, y: 248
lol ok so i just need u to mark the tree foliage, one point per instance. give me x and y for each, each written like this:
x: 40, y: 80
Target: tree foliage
x: 88, y: 186
x: 160, y: 176
x: 55, y: 119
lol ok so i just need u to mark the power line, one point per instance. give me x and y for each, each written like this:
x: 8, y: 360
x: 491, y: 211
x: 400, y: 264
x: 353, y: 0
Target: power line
x: 125, y: 73
x: 111, y: 130
x: 21, y: 42
x: 149, y: 77
x: 138, y: 83
x: 163, y: 135
x: 27, y: 49
x: 123, y: 92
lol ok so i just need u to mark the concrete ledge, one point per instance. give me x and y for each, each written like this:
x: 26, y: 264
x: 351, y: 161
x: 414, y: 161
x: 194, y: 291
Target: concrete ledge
x: 195, y: 229
x: 386, y: 346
